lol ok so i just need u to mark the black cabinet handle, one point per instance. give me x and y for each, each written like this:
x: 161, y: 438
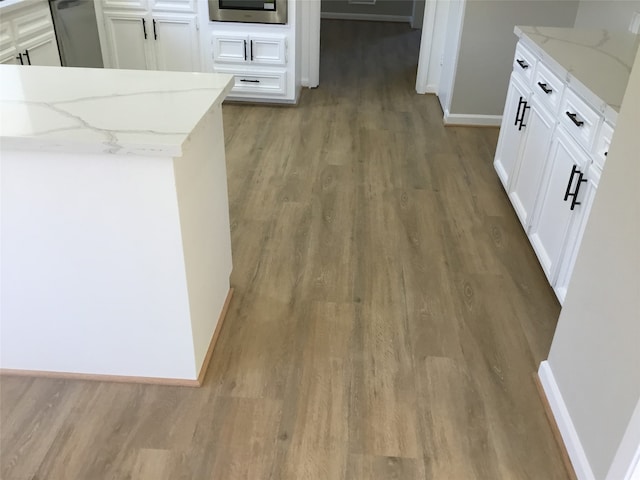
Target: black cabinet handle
x: 573, y: 118
x: 575, y: 201
x: 544, y: 88
x: 521, y: 113
x: 524, y: 65
x: 144, y: 28
x: 573, y: 172
x: 19, y: 57
x: 155, y: 34
x: 26, y: 54
x: 252, y: 50
x: 249, y: 81
x: 606, y: 153
x: 245, y: 50
x: 574, y: 195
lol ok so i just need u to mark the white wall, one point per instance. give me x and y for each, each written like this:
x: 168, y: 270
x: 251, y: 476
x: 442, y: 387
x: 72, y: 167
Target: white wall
x: 595, y: 354
x: 609, y: 14
x: 488, y: 44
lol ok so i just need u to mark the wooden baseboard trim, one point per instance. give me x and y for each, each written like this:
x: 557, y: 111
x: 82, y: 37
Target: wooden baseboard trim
x: 554, y: 428
x: 214, y: 339
x: 175, y: 382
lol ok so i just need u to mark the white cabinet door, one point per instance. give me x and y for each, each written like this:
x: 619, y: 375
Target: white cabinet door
x: 511, y: 130
x: 560, y: 201
x: 230, y: 48
x: 524, y: 187
x: 574, y: 235
x: 176, y: 43
x: 267, y: 50
x: 41, y: 50
x: 126, y: 34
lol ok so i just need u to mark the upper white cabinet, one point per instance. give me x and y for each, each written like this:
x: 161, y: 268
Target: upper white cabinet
x: 27, y: 36
x: 152, y: 35
x: 551, y: 151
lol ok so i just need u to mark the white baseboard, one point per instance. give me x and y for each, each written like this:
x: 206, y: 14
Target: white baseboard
x: 365, y: 16
x: 432, y: 89
x: 472, y: 120
x: 569, y: 434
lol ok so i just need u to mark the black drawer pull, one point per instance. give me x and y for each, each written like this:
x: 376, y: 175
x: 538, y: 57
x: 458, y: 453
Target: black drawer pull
x: 544, y: 88
x: 19, y: 57
x: 573, y: 118
x: 524, y: 65
x: 144, y: 28
x: 249, y: 81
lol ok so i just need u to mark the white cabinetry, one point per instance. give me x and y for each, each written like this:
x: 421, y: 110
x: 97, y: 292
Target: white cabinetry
x: 260, y: 59
x: 158, y: 35
x: 27, y: 36
x: 559, y: 202
x: 534, y: 146
x: 550, y: 154
x: 512, y: 129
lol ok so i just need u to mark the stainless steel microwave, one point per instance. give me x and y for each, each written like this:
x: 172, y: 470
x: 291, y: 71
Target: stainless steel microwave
x: 251, y: 11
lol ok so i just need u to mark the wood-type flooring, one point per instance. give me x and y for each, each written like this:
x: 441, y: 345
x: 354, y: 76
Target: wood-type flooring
x: 388, y: 312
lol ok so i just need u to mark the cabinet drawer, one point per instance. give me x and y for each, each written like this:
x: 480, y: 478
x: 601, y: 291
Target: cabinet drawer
x: 548, y: 87
x: 257, y: 83
x: 32, y: 22
x: 602, y: 145
x: 524, y: 63
x: 579, y: 118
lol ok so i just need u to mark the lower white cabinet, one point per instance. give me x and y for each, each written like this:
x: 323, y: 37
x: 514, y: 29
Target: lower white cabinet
x: 176, y: 45
x: 140, y: 40
x: 127, y: 38
x: 551, y: 151
x: 41, y: 50
x: 27, y: 36
x: 512, y: 129
x: 258, y: 56
x: 560, y: 201
x: 524, y: 188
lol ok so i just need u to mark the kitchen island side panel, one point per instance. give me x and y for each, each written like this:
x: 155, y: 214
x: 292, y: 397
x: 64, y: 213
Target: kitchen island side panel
x: 201, y: 185
x: 93, y: 277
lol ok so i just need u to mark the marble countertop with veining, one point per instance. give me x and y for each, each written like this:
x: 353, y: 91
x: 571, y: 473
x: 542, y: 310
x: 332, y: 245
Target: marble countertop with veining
x: 86, y: 110
x: 596, y: 63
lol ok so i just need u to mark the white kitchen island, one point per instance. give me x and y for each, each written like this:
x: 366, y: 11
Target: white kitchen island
x: 115, y: 242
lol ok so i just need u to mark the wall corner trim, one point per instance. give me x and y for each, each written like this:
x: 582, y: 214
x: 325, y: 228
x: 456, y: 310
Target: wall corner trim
x: 565, y: 424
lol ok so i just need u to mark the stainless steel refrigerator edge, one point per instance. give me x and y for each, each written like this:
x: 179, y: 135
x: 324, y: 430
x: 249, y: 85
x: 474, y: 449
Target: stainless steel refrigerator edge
x: 77, y: 33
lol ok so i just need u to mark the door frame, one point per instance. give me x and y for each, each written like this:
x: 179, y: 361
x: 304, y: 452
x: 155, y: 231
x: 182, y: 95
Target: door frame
x: 310, y: 44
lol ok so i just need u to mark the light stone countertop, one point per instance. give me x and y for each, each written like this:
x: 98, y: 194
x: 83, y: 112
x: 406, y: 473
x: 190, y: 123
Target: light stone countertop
x: 86, y: 110
x: 596, y: 63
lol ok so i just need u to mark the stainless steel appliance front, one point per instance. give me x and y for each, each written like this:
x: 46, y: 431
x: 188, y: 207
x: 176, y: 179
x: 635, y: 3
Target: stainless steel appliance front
x: 250, y: 11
